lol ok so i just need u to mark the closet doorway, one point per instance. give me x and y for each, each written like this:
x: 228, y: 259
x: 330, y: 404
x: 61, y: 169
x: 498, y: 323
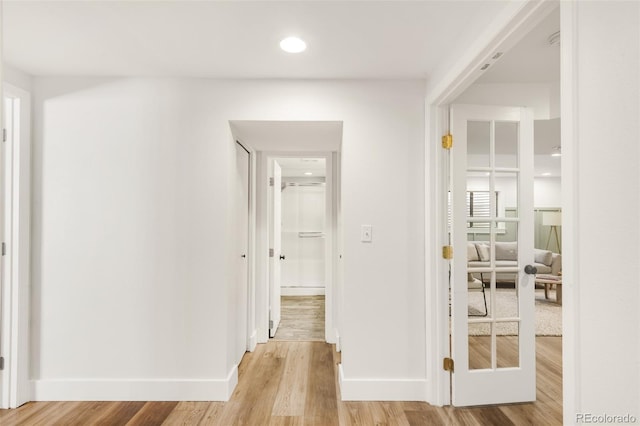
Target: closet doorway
x: 303, y: 248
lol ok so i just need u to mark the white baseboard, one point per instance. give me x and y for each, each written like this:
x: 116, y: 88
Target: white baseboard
x: 381, y: 389
x: 135, y: 390
x: 302, y: 291
x: 338, y: 342
x: 253, y: 341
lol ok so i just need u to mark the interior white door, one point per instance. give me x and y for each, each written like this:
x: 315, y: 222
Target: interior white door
x: 276, y: 252
x: 492, y: 236
x: 242, y: 232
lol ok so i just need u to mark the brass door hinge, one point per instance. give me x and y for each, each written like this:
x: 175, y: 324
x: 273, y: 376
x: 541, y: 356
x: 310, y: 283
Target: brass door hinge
x: 447, y: 364
x: 447, y: 252
x: 447, y: 141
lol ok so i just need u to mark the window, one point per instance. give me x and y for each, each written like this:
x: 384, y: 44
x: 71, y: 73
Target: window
x: 479, y: 206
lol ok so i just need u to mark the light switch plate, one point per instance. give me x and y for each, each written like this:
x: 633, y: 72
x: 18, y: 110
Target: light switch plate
x: 366, y: 233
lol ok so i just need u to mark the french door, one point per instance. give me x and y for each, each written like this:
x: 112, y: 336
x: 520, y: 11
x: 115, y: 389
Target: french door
x: 491, y: 230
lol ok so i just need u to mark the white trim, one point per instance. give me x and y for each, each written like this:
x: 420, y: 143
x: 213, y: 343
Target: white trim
x: 16, y: 281
x: 437, y: 294
x: 251, y: 252
x: 516, y: 20
x: 136, y: 390
x: 253, y: 341
x: 380, y: 389
x: 571, y: 356
x: 302, y: 291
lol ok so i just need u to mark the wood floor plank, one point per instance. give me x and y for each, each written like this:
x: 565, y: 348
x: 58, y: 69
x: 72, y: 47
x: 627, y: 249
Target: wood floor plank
x: 302, y: 319
x: 21, y: 414
x: 55, y: 414
x: 211, y: 415
x: 87, y: 413
x: 187, y: 413
x: 357, y: 413
x: 152, y: 413
x: 292, y: 391
x: 286, y: 421
x: 321, y: 406
x: 119, y: 413
x: 254, y: 396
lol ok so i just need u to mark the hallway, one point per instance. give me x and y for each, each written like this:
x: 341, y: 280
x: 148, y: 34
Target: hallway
x: 295, y: 383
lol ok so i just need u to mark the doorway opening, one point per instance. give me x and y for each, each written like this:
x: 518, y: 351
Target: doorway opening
x: 303, y: 249
x: 311, y: 263
x: 518, y: 78
x: 511, y: 74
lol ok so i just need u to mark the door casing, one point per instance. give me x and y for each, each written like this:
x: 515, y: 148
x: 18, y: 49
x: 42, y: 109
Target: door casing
x: 16, y: 273
x: 262, y: 242
x: 514, y: 23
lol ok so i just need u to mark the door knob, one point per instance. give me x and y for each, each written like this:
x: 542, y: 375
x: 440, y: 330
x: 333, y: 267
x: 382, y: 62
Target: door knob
x: 530, y: 269
x: 243, y: 256
x: 281, y: 257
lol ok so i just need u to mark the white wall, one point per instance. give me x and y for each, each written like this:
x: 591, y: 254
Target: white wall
x: 16, y: 77
x: 542, y: 98
x: 132, y: 197
x: 601, y: 65
x: 303, y: 210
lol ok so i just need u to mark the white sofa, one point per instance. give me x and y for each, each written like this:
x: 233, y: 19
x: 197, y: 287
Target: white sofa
x: 545, y: 261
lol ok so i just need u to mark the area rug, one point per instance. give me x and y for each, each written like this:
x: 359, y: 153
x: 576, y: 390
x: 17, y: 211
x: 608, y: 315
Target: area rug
x: 548, y: 313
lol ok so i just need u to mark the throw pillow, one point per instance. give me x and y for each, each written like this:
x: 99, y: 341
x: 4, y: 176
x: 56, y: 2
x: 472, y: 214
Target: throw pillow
x: 472, y: 253
x: 483, y: 252
x: 507, y: 250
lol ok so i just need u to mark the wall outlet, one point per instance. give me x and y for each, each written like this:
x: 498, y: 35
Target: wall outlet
x: 366, y: 233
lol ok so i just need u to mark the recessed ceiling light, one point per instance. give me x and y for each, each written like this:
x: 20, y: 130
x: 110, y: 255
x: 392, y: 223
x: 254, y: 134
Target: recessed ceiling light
x: 308, y: 173
x: 293, y: 45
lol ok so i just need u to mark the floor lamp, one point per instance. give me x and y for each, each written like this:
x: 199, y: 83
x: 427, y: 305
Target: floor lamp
x: 553, y: 220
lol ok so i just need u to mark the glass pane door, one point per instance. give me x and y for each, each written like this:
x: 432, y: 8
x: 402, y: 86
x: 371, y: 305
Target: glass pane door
x: 492, y: 230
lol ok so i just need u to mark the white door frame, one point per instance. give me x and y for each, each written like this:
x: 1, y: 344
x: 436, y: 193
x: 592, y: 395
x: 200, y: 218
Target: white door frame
x: 248, y: 259
x: 252, y: 336
x: 262, y: 241
x: 14, y: 330
x: 517, y: 19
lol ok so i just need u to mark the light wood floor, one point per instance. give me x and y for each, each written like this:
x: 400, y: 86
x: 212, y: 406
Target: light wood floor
x: 295, y: 383
x: 301, y: 318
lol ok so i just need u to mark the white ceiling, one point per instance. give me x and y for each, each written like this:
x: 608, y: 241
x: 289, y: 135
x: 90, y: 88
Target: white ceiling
x: 239, y: 39
x: 297, y: 167
x: 532, y: 60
